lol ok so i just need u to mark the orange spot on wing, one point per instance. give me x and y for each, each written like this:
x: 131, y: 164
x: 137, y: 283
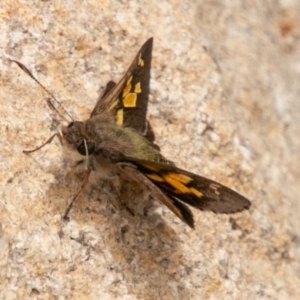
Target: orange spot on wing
x: 180, y: 177
x: 155, y: 177
x: 130, y: 100
x: 126, y: 90
x: 140, y: 61
x: 179, y: 187
x: 196, y: 192
x: 137, y: 88
x: 120, y: 117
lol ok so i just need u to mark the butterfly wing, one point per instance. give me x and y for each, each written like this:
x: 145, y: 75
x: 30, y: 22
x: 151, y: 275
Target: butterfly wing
x: 191, y: 189
x: 177, y: 207
x: 109, y: 86
x: 127, y: 100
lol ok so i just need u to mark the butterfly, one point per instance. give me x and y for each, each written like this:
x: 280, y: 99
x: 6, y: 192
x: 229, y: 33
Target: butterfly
x: 118, y: 135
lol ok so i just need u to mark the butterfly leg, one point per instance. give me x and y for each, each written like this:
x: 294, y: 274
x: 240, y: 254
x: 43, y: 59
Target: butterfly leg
x: 120, y: 185
x: 84, y: 182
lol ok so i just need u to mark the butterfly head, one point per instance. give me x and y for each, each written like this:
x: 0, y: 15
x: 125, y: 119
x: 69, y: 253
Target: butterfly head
x: 75, y: 142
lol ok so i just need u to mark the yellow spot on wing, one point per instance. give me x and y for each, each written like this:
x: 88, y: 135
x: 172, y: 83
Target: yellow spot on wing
x: 179, y: 181
x: 180, y: 177
x: 196, y: 192
x: 120, y: 117
x: 137, y: 88
x: 180, y: 187
x: 129, y: 80
x: 140, y: 61
x: 130, y: 100
x: 155, y: 177
x: 126, y: 89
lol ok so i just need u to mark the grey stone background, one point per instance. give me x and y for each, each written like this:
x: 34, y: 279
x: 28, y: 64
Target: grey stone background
x: 224, y: 104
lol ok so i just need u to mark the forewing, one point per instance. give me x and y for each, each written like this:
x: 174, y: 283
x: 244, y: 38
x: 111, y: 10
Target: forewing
x: 127, y: 100
x: 197, y: 191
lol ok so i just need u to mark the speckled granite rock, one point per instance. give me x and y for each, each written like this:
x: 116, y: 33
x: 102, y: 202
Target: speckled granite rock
x: 224, y: 104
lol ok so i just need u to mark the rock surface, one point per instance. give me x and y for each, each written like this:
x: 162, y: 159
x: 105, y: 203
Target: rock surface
x: 224, y: 104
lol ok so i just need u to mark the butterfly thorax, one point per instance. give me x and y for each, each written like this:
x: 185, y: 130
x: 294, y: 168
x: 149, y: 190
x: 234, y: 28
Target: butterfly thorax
x: 104, y: 139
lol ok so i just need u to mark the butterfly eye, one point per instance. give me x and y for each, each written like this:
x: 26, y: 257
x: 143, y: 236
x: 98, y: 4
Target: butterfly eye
x: 90, y: 147
x: 71, y: 124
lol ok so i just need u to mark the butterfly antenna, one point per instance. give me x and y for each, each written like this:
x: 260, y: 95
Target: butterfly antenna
x: 23, y: 68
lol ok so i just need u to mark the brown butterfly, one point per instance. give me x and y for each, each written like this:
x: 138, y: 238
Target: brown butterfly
x: 118, y: 135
